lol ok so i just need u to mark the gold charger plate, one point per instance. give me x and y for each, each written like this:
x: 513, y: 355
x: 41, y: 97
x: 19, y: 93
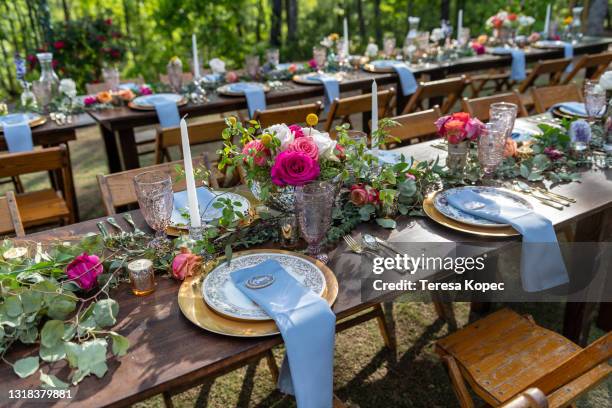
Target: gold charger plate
x: 302, y: 79
x: 132, y: 105
x: 434, y: 214
x: 194, y: 308
x: 371, y: 68
x: 224, y: 90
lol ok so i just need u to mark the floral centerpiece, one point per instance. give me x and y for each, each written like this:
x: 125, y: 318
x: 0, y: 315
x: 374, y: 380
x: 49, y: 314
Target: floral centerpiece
x: 276, y: 159
x: 122, y: 96
x: 459, y: 129
x: 506, y: 24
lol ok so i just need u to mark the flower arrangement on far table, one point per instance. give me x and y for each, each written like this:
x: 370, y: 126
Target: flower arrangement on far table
x: 505, y: 24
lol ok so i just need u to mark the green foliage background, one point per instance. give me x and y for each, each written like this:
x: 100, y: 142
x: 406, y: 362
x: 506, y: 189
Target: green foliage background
x: 156, y: 30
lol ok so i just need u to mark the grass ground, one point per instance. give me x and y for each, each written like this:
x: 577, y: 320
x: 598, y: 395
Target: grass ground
x: 366, y: 374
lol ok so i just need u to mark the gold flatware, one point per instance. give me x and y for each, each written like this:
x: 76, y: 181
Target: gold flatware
x: 545, y: 201
x: 356, y: 247
x: 531, y: 190
x: 559, y: 196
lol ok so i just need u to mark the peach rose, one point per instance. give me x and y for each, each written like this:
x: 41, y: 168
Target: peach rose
x: 510, y: 150
x: 185, y: 264
x: 104, y: 97
x: 126, y: 95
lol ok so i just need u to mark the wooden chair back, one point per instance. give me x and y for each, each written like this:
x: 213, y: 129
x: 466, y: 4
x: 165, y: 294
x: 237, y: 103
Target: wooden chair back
x: 289, y: 115
x: 546, y: 97
x: 118, y: 189
x: 414, y: 127
x: 187, y: 77
x: 53, y: 159
x: 450, y: 89
x: 200, y: 133
x: 479, y: 107
x: 595, y: 66
x: 554, y: 68
x: 10, y: 220
x: 343, y: 108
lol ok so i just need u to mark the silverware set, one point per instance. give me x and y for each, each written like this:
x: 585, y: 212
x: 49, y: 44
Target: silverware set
x: 113, y: 223
x: 554, y: 200
x: 371, y: 245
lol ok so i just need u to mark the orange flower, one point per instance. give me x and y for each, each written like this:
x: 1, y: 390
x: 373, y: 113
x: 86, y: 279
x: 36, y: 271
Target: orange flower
x: 104, y: 97
x: 482, y: 39
x: 126, y: 94
x: 511, y: 148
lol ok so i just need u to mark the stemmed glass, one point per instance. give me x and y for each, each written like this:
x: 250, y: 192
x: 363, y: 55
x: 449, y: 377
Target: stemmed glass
x: 491, y: 148
x: 273, y: 57
x: 504, y: 115
x: 389, y: 46
x: 156, y: 198
x: 111, y: 77
x: 314, y: 202
x: 252, y: 65
x: 319, y: 54
x: 595, y: 99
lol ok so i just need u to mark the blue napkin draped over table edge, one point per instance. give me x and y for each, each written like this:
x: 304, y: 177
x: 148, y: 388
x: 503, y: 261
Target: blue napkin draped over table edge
x: 167, y: 111
x: 307, y: 325
x: 407, y: 80
x: 517, y: 69
x: 254, y: 94
x: 17, y: 133
x: 568, y: 52
x: 331, y: 87
x: 542, y: 265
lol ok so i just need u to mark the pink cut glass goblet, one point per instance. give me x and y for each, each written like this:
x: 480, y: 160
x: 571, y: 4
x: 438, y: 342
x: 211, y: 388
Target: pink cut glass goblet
x: 156, y: 198
x: 314, y: 203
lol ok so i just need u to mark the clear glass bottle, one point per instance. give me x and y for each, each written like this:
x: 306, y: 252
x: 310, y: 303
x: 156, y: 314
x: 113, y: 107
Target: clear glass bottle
x: 47, y: 74
x: 28, y: 100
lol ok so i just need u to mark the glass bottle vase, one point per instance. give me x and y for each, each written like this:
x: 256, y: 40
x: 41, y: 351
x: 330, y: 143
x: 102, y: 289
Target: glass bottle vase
x: 47, y: 74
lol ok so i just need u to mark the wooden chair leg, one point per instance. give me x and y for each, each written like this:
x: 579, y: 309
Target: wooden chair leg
x: 445, y: 311
x: 383, y: 327
x: 461, y: 391
x: 168, y: 400
x: 17, y: 184
x: 272, y: 365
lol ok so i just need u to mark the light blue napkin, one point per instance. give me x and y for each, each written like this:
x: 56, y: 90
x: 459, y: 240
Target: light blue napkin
x: 388, y: 157
x: 542, y: 265
x: 17, y: 132
x: 254, y: 94
x: 575, y: 108
x: 167, y: 111
x: 331, y: 87
x: 517, y: 69
x: 407, y: 80
x: 568, y: 50
x: 307, y: 325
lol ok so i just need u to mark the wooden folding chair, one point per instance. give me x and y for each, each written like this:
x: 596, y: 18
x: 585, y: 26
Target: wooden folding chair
x: 42, y: 206
x: 499, y: 80
x: 546, y: 97
x: 450, y: 89
x: 504, y: 354
x: 413, y: 127
x: 343, y: 108
x: 289, y: 115
x: 10, y: 220
x: 200, y: 133
x: 553, y: 68
x: 595, y: 66
x: 479, y: 107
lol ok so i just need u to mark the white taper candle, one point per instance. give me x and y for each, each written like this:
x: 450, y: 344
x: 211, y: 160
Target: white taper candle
x: 374, y: 126
x: 346, y: 35
x: 459, y: 23
x: 192, y: 197
x: 196, y: 60
x: 547, y: 21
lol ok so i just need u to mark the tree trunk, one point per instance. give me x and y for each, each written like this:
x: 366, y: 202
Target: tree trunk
x: 45, y: 21
x: 362, y: 27
x: 66, y: 8
x: 410, y: 8
x: 597, y: 16
x: 377, y: 21
x: 259, y: 22
x: 277, y: 19
x: 292, y: 20
x: 33, y: 26
x: 445, y: 10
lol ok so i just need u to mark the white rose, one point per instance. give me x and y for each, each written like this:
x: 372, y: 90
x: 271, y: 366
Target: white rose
x: 283, y: 134
x: 68, y: 87
x: 325, y: 144
x: 437, y: 34
x: 217, y: 66
x: 606, y: 80
x: 371, y: 50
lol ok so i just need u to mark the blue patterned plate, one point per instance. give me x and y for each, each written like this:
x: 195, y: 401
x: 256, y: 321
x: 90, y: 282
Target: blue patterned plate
x: 314, y: 78
x: 220, y: 293
x: 381, y: 65
x: 238, y: 88
x: 499, y: 195
x: 148, y: 101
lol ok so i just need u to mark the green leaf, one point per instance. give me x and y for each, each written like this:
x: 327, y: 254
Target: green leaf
x: 99, y: 369
x: 1, y: 333
x: 52, y: 354
x: 366, y: 211
x: 386, y: 223
x: 105, y: 312
x: 12, y: 305
x: 92, y: 353
x: 51, y: 382
x: 87, y: 325
x: 29, y: 335
x: 52, y: 333
x: 407, y: 188
x: 31, y: 301
x: 120, y: 344
x: 47, y: 288
x: 524, y: 170
x: 72, y: 353
x: 26, y: 366
x: 60, y: 307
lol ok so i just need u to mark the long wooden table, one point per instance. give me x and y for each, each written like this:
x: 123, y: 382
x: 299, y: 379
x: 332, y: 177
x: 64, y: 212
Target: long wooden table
x: 168, y: 353
x: 117, y: 125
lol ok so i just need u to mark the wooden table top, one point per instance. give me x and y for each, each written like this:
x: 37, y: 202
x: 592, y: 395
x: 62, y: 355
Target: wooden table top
x: 167, y: 351
x: 126, y: 118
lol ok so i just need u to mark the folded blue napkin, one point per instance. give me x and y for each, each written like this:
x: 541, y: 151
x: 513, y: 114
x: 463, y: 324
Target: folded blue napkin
x: 575, y: 108
x: 568, y: 50
x: 331, y: 87
x: 542, y: 265
x: 517, y: 69
x: 167, y: 111
x: 307, y: 325
x: 407, y: 80
x: 254, y: 94
x: 388, y: 156
x: 17, y: 132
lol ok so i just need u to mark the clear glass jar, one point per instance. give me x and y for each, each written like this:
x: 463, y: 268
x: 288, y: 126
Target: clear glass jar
x: 47, y: 74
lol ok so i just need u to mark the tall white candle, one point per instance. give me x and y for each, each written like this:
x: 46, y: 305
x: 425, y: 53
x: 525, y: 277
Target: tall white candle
x: 192, y: 197
x: 547, y: 22
x: 459, y: 23
x: 346, y: 36
x: 374, y: 126
x: 196, y: 60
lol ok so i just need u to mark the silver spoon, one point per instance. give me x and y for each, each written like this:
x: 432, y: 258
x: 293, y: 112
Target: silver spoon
x: 128, y: 218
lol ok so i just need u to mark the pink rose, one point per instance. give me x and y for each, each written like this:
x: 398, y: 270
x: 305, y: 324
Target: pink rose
x: 339, y: 152
x: 292, y: 68
x: 305, y: 145
x: 294, y: 168
x: 297, y: 131
x: 312, y: 64
x: 84, y: 270
x: 473, y: 128
x: 58, y: 45
x: 440, y: 125
x: 258, y: 151
x: 552, y: 153
x: 478, y: 48
x: 145, y: 90
x: 359, y: 196
x: 185, y: 264
x: 410, y: 176
x: 90, y: 100
x: 231, y: 77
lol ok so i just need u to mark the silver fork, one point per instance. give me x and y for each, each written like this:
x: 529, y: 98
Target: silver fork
x: 356, y: 247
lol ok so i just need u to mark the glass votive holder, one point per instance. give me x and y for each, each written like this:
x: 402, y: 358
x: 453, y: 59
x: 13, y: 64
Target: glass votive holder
x: 579, y: 151
x: 288, y: 232
x: 142, y: 277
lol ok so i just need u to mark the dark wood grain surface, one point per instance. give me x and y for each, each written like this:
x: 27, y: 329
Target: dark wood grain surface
x: 168, y: 352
